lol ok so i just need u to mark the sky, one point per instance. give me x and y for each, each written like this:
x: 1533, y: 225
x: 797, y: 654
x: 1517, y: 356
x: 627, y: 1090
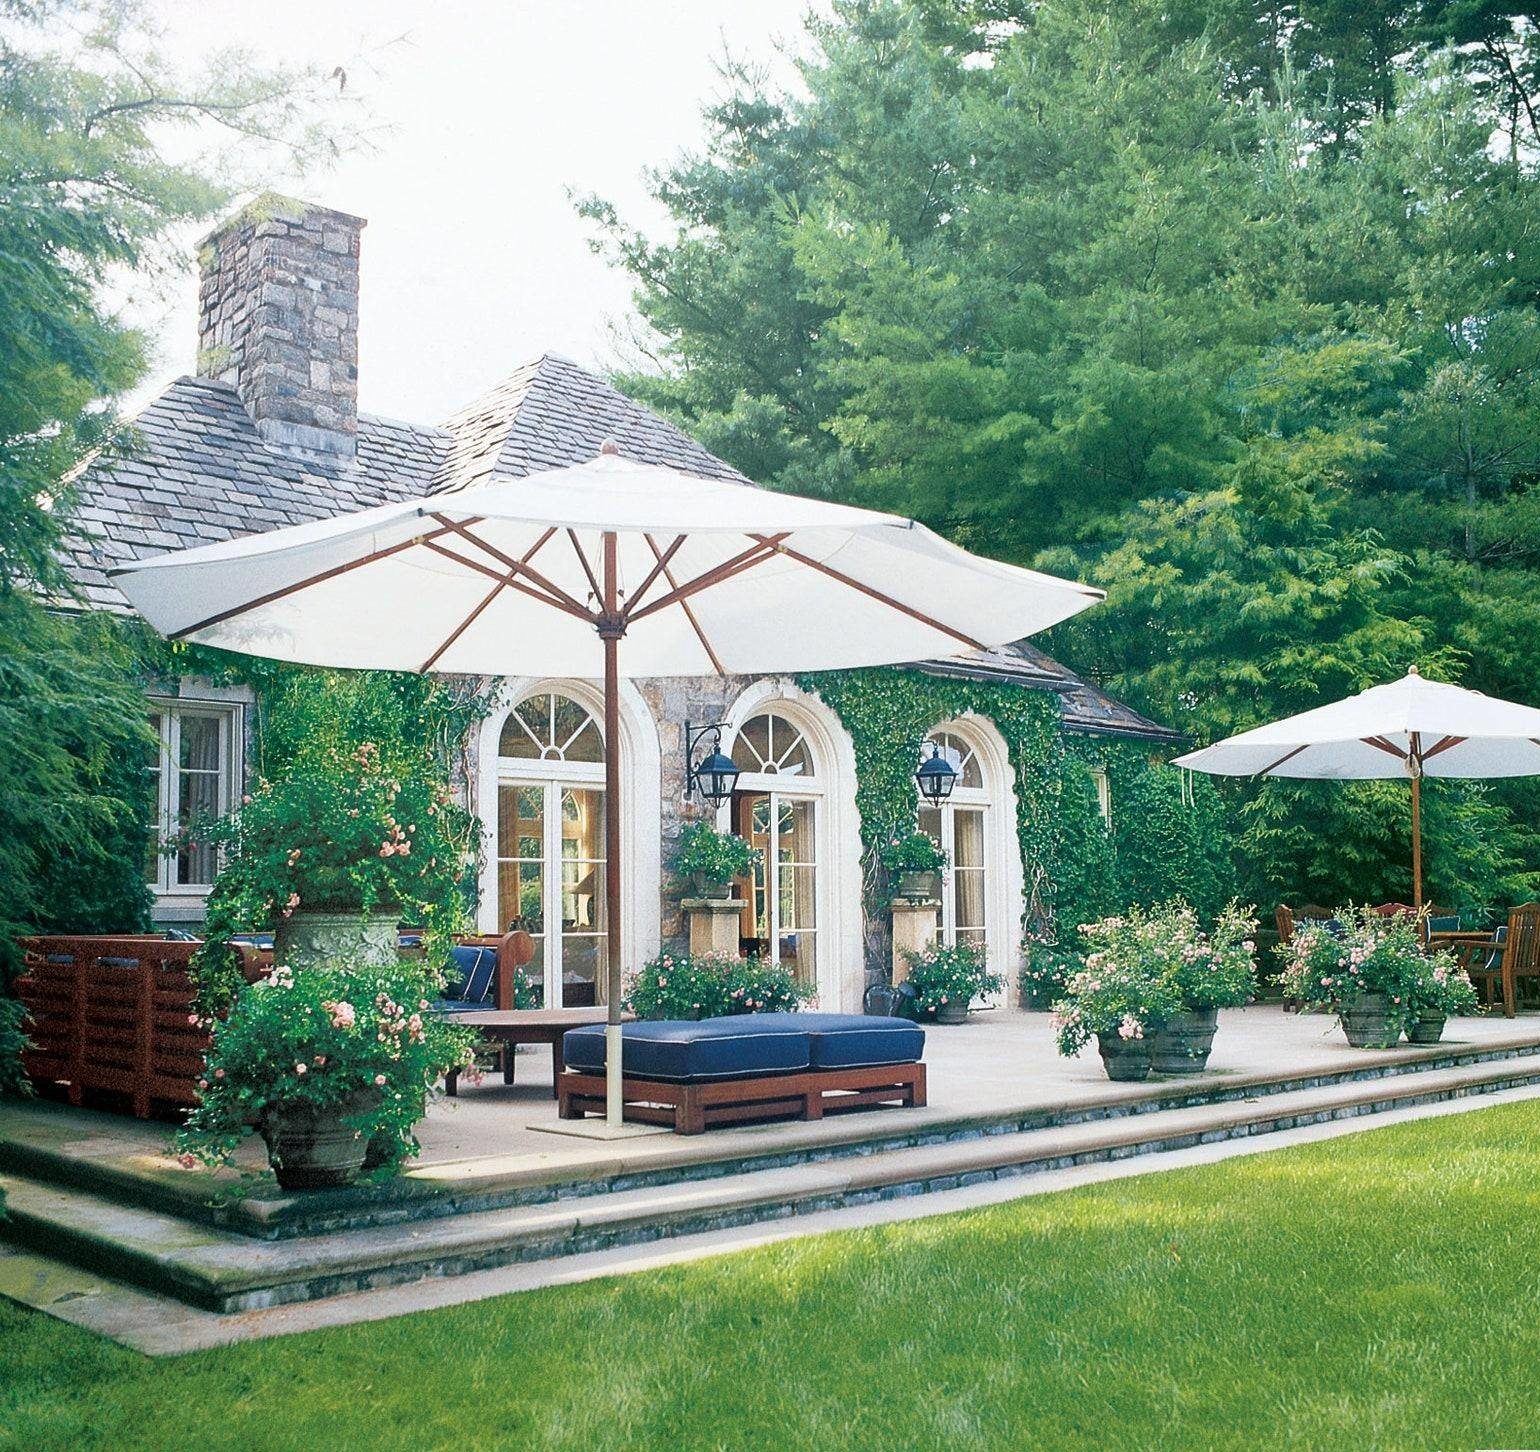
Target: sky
x: 482, y: 116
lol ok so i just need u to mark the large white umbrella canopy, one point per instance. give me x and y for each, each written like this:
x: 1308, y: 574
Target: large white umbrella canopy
x: 1407, y: 729
x: 603, y: 569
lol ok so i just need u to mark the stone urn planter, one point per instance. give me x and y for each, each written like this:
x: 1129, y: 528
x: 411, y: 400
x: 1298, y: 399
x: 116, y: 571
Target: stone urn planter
x: 918, y: 886
x: 306, y: 939
x: 1368, y: 1023
x: 1183, y: 1045
x: 952, y: 1013
x: 314, y: 1148
x: 1426, y: 1028
x: 1125, y: 1060
x: 706, y: 887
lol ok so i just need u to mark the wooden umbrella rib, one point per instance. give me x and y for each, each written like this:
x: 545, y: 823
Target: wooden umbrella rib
x: 1389, y: 747
x: 878, y: 595
x: 639, y: 594
x: 465, y: 624
x: 1443, y: 746
x: 756, y: 554
x: 521, y: 567
x: 690, y: 615
x: 317, y: 579
x: 1287, y: 756
x: 508, y: 579
x: 588, y: 569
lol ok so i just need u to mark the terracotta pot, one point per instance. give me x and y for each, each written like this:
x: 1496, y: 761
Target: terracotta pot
x: 1368, y: 1023
x: 1125, y: 1060
x: 1426, y: 1028
x: 1183, y: 1045
x: 311, y: 939
x: 953, y: 1013
x: 312, y: 1148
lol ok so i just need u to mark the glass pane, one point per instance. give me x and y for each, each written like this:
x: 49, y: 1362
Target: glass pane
x: 582, y: 970
x: 963, y: 761
x: 791, y: 757
x: 574, y: 732
x: 755, y: 739
x: 527, y: 731
x: 797, y: 954
x: 519, y: 895
x: 797, y: 832
x: 587, y: 745
x: 152, y: 769
x: 582, y: 824
x: 520, y: 821
x: 967, y: 838
x: 798, y: 898
x: 968, y: 891
x: 930, y: 822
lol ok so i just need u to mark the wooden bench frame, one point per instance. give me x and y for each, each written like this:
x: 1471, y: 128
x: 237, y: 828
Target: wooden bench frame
x: 693, y: 1108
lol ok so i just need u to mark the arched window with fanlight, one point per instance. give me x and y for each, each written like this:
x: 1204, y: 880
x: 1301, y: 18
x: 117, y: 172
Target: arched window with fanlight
x: 962, y: 825
x: 550, y: 843
x: 776, y: 807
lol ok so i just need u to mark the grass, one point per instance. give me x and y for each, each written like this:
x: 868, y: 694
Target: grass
x: 1372, y: 1292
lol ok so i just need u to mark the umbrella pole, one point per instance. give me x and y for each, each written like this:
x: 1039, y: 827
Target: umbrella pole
x: 610, y: 631
x: 1417, y: 842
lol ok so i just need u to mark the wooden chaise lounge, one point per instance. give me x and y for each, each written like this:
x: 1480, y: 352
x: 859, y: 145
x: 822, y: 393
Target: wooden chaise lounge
x: 691, y: 1075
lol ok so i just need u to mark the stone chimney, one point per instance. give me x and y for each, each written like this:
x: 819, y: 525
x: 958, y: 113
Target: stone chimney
x: 278, y: 318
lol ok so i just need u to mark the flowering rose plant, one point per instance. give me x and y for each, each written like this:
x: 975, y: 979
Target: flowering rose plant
x: 360, y: 1038
x: 947, y: 976
x: 914, y: 852
x: 1045, y: 968
x: 713, y: 856
x: 1360, y: 951
x: 1208, y: 970
x: 713, y: 985
x: 1444, y: 988
x: 340, y: 830
x: 1124, y: 989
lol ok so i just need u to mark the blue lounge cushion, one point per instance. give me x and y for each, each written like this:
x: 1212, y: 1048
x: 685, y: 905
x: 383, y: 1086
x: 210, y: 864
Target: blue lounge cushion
x: 683, y: 1050
x: 853, y: 1040
x: 469, y: 977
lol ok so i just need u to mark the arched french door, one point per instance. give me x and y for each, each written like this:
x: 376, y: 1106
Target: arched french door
x: 962, y: 826
x: 550, y: 843
x: 776, y: 807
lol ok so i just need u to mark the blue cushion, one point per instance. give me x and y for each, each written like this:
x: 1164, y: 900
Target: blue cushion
x: 850, y: 1040
x: 1449, y: 924
x: 682, y: 1050
x: 470, y: 974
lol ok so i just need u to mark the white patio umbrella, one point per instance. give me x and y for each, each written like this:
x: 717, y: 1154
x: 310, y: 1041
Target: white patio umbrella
x: 1410, y: 728
x: 548, y: 574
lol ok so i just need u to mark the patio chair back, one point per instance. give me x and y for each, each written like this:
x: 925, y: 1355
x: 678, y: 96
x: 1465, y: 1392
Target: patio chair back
x: 1289, y: 918
x: 1512, y: 955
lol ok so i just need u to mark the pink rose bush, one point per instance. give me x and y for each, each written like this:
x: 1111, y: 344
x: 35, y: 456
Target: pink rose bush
x: 1359, y: 951
x: 336, y: 1038
x: 942, y: 976
x: 1146, y: 965
x: 711, y: 985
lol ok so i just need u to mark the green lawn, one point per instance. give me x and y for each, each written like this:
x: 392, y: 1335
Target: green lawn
x: 1379, y: 1291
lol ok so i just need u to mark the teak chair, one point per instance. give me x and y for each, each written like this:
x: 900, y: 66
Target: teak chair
x: 1513, y: 953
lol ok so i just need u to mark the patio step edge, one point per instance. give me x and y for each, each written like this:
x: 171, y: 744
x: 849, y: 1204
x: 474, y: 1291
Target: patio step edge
x: 226, y: 1272
x: 267, y: 1216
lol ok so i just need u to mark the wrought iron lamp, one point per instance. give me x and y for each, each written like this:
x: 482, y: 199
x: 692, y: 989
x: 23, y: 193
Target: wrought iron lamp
x: 715, y: 774
x: 936, y: 775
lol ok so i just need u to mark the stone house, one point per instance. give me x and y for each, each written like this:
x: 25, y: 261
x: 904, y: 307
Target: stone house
x: 268, y: 433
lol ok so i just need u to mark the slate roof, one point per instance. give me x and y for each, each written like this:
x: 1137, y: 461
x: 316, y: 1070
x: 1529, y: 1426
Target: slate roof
x: 199, y: 472
x: 1082, y: 706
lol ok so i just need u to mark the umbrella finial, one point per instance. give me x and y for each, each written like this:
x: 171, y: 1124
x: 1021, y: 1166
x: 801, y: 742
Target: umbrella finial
x: 609, y: 446
x: 1413, y: 671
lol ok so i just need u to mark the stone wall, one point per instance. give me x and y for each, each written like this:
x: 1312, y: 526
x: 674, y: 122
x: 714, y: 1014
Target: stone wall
x: 278, y: 318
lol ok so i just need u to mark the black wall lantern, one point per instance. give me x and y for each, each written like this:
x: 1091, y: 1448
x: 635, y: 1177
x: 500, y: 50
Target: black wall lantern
x: 936, y: 775
x: 715, y: 774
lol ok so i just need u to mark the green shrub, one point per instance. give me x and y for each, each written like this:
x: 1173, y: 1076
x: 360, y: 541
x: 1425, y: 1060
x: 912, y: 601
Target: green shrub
x: 710, y: 985
x: 943, y: 976
x: 914, y: 852
x: 713, y: 856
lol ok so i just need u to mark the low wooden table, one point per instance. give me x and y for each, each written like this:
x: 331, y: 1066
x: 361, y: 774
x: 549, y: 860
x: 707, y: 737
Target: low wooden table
x: 525, y: 1026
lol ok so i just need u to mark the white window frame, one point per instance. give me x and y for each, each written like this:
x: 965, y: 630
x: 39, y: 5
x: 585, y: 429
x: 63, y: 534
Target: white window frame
x: 1103, y: 782
x: 971, y: 799
x: 172, y: 710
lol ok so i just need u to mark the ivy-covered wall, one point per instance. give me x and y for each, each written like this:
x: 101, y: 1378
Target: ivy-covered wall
x: 1169, y: 837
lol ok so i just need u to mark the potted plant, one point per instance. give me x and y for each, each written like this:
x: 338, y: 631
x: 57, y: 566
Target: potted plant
x: 1120, y: 999
x: 1045, y: 969
x: 330, y: 856
x: 710, y: 861
x: 915, y: 861
x: 1207, y: 972
x: 1362, y: 965
x: 327, y: 1064
x: 945, y: 981
x: 1440, y: 990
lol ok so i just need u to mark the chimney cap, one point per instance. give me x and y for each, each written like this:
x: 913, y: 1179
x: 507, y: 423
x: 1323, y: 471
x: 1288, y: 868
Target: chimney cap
x: 609, y: 446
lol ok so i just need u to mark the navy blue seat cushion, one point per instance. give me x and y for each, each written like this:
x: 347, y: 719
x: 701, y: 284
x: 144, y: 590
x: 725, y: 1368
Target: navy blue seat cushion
x: 683, y: 1050
x: 469, y: 978
x: 851, y: 1040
